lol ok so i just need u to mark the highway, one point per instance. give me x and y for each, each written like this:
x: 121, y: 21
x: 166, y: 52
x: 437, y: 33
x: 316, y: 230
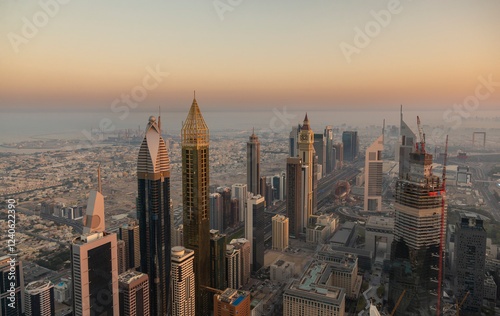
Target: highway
x: 325, y: 187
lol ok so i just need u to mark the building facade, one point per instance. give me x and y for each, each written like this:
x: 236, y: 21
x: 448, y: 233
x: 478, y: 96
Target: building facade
x: 129, y: 233
x: 254, y: 230
x: 217, y: 260
x: 373, y: 176
x: 39, y: 298
x: 153, y: 212
x: 195, y: 200
x: 253, y: 164
x: 11, y: 270
x: 134, y: 293
x: 350, y: 141
x: 233, y: 267
x: 306, y: 153
x: 280, y: 232
x: 232, y: 302
x: 183, y: 282
x: 294, y: 195
x: 94, y: 273
x: 245, y: 252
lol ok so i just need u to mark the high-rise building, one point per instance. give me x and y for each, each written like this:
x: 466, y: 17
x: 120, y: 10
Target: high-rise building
x: 217, y: 260
x: 305, y: 211
x: 339, y: 155
x: 129, y: 233
x: 306, y: 153
x: 280, y: 232
x: 293, y: 150
x: 94, y: 215
x: 233, y: 267
x: 245, y: 249
x: 253, y: 164
x: 178, y: 236
x: 239, y: 191
x: 122, y: 261
x: 373, y: 176
x: 262, y: 187
x: 415, y: 251
x: 183, y: 282
x: 279, y: 186
x: 406, y: 146
x: 320, y: 149
x: 254, y: 230
x: 94, y: 272
x: 195, y: 179
x: 153, y: 212
x: 269, y: 194
x: 225, y: 194
x: 232, y: 302
x: 350, y: 141
x: 7, y: 290
x: 134, y: 293
x: 216, y: 212
x: 330, y: 158
x: 470, y: 258
x: 294, y: 195
x: 39, y: 298
x: 234, y: 213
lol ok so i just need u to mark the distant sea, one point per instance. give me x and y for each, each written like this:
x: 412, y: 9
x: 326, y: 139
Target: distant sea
x: 22, y: 126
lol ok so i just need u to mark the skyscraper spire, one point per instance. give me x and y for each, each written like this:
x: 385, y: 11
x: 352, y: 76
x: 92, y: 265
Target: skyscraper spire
x: 99, y: 176
x: 159, y: 119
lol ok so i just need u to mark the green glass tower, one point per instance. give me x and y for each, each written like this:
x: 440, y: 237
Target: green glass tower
x: 196, y: 201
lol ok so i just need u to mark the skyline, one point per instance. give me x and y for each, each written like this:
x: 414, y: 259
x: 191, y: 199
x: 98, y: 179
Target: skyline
x: 257, y: 54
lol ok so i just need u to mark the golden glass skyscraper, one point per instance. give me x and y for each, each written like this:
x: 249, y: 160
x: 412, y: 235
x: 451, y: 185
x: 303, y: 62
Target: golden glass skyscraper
x: 196, y: 201
x: 306, y: 153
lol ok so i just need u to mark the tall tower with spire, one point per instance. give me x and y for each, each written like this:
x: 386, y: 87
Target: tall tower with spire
x: 306, y: 153
x: 195, y: 198
x: 253, y: 164
x: 153, y: 212
x: 94, y: 215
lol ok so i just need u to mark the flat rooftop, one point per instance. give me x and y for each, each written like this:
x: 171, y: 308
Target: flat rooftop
x: 130, y: 276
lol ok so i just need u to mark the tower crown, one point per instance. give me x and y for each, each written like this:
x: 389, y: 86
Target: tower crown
x: 153, y: 156
x: 195, y: 130
x: 306, y: 126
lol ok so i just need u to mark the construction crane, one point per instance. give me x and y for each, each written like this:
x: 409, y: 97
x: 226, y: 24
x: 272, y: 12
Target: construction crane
x: 397, y: 303
x: 462, y: 303
x: 421, y: 134
x: 441, y: 237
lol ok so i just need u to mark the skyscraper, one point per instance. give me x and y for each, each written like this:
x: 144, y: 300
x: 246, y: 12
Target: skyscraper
x: 183, y: 282
x: 339, y: 155
x: 94, y: 272
x: 417, y: 231
x: 239, y: 191
x: 233, y: 267
x: 217, y: 260
x: 196, y: 213
x: 294, y: 195
x: 373, y: 176
x: 225, y: 194
x: 253, y: 164
x: 320, y: 149
x: 254, y: 230
x: 40, y: 299
x: 134, y: 293
x: 16, y: 307
x: 350, y: 141
x: 245, y: 248
x: 293, y: 150
x: 306, y: 153
x: 470, y: 257
x: 129, y: 233
x: 153, y: 212
x: 406, y: 146
x: 216, y: 212
x: 122, y: 262
x: 280, y: 232
x: 329, y: 165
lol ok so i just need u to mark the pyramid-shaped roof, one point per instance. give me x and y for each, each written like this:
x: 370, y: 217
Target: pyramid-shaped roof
x: 195, y: 130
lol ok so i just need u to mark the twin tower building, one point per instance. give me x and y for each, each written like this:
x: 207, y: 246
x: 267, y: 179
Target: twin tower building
x: 94, y: 260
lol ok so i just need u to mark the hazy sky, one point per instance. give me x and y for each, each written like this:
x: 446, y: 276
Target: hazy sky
x: 86, y: 54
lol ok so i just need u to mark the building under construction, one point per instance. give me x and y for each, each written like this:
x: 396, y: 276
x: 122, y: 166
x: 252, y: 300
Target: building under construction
x: 419, y: 216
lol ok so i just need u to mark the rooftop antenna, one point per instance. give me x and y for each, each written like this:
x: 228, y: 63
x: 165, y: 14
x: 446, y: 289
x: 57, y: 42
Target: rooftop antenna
x: 383, y: 132
x: 99, y: 176
x: 159, y: 119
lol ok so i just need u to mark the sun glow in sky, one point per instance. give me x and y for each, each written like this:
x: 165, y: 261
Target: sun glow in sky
x: 244, y: 53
